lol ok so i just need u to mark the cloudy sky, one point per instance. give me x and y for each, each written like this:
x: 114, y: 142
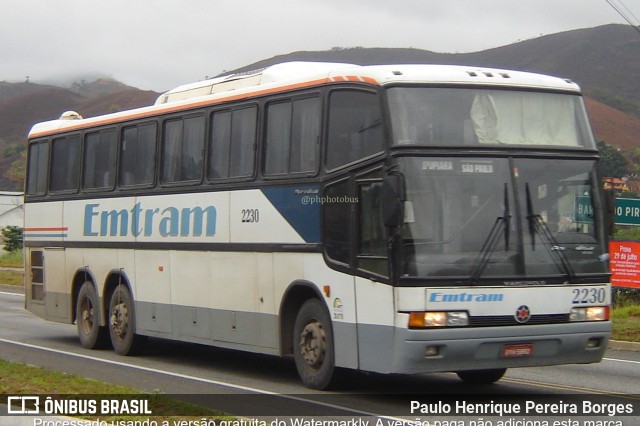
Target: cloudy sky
x: 159, y: 44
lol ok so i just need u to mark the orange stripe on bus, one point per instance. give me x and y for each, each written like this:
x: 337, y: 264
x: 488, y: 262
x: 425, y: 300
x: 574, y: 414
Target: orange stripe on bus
x: 96, y: 121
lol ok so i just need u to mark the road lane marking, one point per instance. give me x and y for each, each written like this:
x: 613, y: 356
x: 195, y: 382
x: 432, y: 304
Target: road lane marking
x: 11, y: 294
x: 556, y: 386
x: 621, y: 360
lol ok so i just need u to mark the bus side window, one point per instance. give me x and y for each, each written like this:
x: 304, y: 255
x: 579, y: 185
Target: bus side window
x: 278, y: 138
x: 99, y: 160
x: 220, y: 144
x: 65, y: 164
x: 372, y: 241
x: 233, y: 137
x: 183, y: 149
x: 293, y: 132
x: 355, y: 127
x: 138, y: 155
x: 305, y: 135
x: 337, y: 222
x: 38, y: 166
x: 243, y: 142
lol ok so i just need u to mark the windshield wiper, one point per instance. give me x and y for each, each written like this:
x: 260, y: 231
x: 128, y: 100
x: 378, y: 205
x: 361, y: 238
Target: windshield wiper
x: 537, y: 225
x: 489, y: 245
x: 375, y: 123
x: 506, y: 217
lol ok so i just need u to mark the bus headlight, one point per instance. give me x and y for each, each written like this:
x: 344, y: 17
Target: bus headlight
x: 438, y: 319
x: 591, y: 313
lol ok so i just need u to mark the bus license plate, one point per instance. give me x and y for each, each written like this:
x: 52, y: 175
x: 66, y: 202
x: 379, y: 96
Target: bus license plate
x: 516, y: 351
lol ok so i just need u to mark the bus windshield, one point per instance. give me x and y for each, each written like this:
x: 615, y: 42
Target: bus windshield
x: 500, y: 217
x: 460, y: 116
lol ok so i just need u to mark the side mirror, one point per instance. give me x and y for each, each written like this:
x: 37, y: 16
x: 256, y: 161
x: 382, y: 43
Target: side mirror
x: 393, y: 200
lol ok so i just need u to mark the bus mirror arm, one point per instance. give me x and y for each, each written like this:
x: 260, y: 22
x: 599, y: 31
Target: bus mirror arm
x: 393, y: 199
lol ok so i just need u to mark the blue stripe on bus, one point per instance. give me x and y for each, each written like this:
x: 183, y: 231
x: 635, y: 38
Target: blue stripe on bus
x: 30, y: 235
x: 300, y: 207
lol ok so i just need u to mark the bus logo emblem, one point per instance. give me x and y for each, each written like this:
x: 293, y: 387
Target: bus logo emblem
x: 523, y: 314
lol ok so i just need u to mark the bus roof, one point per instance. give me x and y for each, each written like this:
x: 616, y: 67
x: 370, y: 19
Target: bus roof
x: 293, y: 75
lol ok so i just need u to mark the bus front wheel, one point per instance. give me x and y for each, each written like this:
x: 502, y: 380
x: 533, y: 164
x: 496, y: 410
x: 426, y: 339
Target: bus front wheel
x: 313, y: 346
x: 91, y: 334
x: 122, y: 322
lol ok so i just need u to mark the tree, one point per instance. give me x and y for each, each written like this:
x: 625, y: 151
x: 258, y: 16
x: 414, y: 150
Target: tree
x: 635, y: 160
x: 16, y: 171
x: 613, y: 163
x: 12, y: 238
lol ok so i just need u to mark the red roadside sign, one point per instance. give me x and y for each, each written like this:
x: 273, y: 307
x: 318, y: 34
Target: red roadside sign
x: 625, y: 263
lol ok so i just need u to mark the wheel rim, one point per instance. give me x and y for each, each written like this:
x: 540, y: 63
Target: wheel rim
x: 86, y: 315
x: 120, y: 320
x: 313, y: 344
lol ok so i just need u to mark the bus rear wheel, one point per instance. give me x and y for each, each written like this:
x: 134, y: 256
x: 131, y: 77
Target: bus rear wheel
x: 91, y: 334
x: 313, y: 346
x: 122, y: 322
x: 481, y: 377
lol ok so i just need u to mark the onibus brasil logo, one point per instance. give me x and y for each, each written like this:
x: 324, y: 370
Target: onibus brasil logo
x: 78, y: 406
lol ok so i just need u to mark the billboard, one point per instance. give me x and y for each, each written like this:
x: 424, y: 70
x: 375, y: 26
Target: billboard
x: 625, y: 263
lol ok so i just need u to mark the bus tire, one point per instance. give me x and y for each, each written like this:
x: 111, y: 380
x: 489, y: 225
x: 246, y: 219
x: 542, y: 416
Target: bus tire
x: 122, y: 322
x: 313, y: 346
x: 91, y: 334
x: 482, y: 377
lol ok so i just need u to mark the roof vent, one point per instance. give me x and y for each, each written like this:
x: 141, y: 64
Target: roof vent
x: 397, y: 72
x: 70, y: 115
x: 472, y: 73
x: 505, y: 75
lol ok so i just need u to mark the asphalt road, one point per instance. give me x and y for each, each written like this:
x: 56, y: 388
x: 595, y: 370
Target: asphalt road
x: 255, y: 385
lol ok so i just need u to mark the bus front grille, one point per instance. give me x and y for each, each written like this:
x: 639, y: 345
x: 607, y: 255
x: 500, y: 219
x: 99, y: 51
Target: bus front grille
x: 506, y: 320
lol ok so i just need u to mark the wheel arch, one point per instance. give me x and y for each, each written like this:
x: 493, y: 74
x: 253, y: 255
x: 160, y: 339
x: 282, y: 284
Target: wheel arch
x: 295, y: 295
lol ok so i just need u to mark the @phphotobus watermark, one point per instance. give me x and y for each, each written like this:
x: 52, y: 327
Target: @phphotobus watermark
x: 310, y: 200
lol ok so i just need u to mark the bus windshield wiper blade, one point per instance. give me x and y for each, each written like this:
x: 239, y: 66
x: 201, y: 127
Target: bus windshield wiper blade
x: 530, y: 215
x: 537, y: 225
x: 506, y: 217
x: 489, y: 245
x: 375, y: 123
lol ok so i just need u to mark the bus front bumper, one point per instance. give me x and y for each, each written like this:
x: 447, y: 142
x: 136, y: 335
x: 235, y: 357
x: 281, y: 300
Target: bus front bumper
x: 459, y: 349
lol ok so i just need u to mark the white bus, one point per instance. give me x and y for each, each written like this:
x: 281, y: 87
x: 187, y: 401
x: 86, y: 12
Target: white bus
x: 393, y: 219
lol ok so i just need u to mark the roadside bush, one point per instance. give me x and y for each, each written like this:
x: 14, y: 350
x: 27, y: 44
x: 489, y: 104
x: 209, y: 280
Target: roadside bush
x: 623, y: 297
x: 12, y: 238
x: 627, y: 233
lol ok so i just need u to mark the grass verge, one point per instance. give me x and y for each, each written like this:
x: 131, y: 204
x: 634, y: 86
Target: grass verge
x: 20, y: 379
x: 626, y: 323
x: 14, y: 278
x: 11, y: 260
